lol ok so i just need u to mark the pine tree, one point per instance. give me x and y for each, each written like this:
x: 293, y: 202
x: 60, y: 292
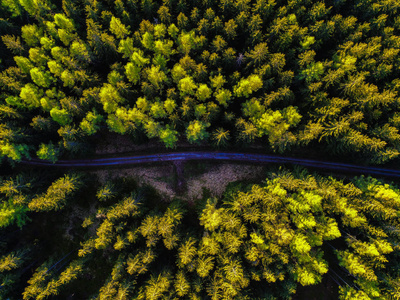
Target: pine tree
x: 248, y: 86
x: 221, y: 137
x: 118, y: 29
x: 156, y: 286
x: 61, y: 116
x: 187, y: 253
x: 181, y: 284
x: 90, y: 124
x: 156, y: 77
x: 186, y: 86
x: 169, y: 137
x: 48, y: 152
x: 110, y: 98
x: 56, y: 195
x: 11, y: 261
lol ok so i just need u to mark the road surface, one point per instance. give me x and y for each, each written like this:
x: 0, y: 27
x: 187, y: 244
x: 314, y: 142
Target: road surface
x: 221, y: 156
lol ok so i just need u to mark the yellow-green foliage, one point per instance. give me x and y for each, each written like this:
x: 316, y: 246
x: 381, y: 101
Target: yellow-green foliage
x: 273, y: 233
x: 337, y: 64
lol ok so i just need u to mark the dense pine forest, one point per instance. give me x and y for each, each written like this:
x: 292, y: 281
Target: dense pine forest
x: 256, y: 242
x: 286, y: 74
x: 295, y: 77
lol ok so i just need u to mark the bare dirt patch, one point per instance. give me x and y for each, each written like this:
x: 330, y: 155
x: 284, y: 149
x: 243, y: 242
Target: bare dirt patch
x: 198, y: 177
x: 219, y: 176
x: 160, y: 177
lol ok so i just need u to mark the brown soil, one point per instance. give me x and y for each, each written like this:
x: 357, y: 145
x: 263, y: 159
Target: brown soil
x: 216, y: 178
x: 158, y: 176
x: 167, y: 179
x: 177, y: 179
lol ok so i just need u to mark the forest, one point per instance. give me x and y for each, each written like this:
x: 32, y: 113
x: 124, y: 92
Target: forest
x: 258, y: 241
x: 304, y: 78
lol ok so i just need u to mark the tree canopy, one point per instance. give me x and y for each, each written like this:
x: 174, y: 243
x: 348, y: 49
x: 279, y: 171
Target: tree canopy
x: 297, y: 77
x: 259, y: 241
x: 152, y: 69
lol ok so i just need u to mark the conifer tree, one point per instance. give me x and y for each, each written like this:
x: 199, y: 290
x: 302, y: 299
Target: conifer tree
x: 56, y: 195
